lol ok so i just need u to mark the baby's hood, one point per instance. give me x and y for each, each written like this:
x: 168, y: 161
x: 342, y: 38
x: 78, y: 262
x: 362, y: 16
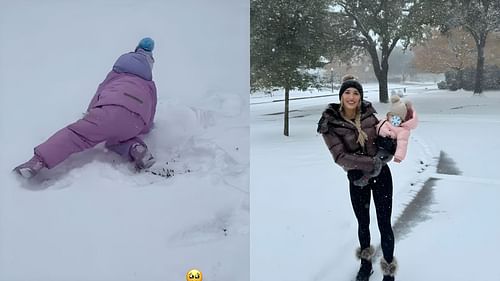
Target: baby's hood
x: 137, y: 63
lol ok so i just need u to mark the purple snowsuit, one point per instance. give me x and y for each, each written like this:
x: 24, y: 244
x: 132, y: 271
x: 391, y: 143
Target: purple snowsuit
x: 123, y: 107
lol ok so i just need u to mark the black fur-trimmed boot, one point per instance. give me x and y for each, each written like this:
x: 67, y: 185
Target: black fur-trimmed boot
x: 366, y: 269
x: 388, y: 269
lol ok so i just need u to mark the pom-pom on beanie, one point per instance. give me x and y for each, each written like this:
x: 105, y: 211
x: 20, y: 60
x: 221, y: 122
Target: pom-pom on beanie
x: 147, y: 44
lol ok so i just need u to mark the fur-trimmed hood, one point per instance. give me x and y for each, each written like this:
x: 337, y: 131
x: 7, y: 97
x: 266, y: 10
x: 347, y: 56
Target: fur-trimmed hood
x: 341, y: 137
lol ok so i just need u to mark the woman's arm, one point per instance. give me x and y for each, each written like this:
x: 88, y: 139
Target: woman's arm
x: 348, y: 161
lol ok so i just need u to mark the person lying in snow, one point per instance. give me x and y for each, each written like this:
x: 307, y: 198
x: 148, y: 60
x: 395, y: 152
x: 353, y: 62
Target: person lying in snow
x: 123, y: 108
x: 393, y: 134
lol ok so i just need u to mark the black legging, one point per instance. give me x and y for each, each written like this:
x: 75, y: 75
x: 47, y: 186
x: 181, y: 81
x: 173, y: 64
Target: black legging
x: 382, y: 196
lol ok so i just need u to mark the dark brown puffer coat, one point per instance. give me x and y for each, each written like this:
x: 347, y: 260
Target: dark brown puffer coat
x: 341, y: 137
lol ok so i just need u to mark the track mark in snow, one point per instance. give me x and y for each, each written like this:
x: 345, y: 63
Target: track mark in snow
x: 464, y: 106
x: 433, y: 118
x: 447, y: 165
x: 280, y: 113
x: 416, y: 211
x: 466, y: 179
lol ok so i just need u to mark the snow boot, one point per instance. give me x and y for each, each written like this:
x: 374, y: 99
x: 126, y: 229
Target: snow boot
x: 388, y: 269
x: 141, y: 156
x: 30, y: 168
x: 388, y: 278
x: 366, y: 269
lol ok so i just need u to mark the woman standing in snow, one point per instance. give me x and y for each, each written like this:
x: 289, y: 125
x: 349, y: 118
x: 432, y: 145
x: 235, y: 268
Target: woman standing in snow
x: 123, y: 108
x: 349, y: 131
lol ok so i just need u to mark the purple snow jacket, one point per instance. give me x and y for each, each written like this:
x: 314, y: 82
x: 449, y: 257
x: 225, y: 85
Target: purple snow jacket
x: 130, y: 85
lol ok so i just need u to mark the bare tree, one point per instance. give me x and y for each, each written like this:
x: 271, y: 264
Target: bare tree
x: 479, y: 18
x: 454, y: 50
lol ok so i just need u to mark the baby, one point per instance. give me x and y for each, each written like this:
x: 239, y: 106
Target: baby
x: 393, y: 133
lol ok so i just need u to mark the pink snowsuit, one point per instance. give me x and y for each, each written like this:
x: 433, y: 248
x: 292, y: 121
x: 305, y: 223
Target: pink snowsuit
x: 401, y: 133
x: 123, y: 107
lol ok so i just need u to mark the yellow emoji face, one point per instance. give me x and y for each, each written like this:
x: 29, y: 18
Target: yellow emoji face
x: 194, y: 275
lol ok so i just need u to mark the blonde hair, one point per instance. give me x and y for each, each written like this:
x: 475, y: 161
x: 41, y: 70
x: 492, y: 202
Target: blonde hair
x: 362, y: 136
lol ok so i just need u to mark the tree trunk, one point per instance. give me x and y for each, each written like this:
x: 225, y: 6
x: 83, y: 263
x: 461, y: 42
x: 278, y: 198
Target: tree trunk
x: 460, y: 78
x: 478, y: 85
x: 380, y: 72
x: 383, y: 94
x: 287, y: 96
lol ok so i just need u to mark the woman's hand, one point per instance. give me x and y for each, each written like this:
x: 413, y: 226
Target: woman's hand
x: 377, y: 166
x: 397, y: 160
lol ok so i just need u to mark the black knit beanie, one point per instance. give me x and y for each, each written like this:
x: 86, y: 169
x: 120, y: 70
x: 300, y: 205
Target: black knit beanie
x: 351, y: 84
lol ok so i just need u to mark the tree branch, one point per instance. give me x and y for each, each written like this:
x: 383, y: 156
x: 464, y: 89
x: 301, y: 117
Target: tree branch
x: 394, y: 42
x: 362, y: 29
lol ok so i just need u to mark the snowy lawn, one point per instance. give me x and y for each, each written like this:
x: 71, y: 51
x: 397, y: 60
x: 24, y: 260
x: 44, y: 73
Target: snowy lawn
x: 446, y: 225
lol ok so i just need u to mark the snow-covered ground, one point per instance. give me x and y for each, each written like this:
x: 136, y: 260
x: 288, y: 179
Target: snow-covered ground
x: 445, y: 212
x: 93, y: 217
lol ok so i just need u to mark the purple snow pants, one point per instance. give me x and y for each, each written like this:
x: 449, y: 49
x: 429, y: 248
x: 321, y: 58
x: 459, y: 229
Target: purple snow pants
x: 115, y: 125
